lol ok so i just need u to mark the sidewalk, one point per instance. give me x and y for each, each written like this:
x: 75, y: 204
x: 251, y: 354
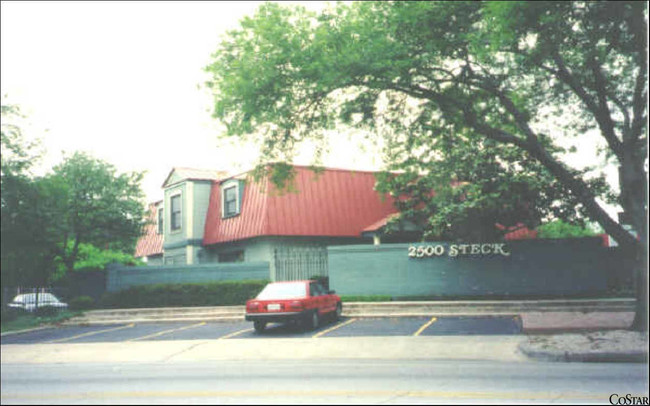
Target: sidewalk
x: 595, y: 346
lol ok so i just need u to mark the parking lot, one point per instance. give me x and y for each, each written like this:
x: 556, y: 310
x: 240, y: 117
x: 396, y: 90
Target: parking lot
x: 346, y: 327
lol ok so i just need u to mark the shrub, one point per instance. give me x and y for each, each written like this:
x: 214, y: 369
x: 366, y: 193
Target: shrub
x: 225, y: 293
x: 81, y: 303
x: 46, y: 311
x: 366, y: 298
x: 11, y: 313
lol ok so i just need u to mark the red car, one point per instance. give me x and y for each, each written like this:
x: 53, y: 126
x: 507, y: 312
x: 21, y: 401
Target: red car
x: 305, y: 302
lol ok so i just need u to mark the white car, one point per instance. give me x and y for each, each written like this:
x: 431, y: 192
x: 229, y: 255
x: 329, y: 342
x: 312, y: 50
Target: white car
x: 27, y: 301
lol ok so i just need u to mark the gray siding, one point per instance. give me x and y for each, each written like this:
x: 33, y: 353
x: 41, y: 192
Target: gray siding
x: 263, y: 248
x: 202, y: 191
x: 155, y: 260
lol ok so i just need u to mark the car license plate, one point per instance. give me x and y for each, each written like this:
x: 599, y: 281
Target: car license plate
x: 274, y: 306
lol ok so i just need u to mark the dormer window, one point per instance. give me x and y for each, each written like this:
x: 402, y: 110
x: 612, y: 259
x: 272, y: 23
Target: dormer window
x: 230, y: 199
x: 160, y: 220
x: 175, y: 214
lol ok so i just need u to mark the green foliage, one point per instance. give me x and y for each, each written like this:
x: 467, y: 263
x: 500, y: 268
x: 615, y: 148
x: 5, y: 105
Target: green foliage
x: 27, y: 245
x: 11, y: 314
x: 47, y: 221
x: 560, y: 229
x: 163, y: 295
x: 91, y: 258
x: 47, y: 311
x: 366, y: 298
x: 98, y: 205
x: 27, y: 320
x: 461, y: 93
x: 81, y: 303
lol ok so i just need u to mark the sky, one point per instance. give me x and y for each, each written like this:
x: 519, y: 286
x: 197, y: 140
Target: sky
x: 121, y: 81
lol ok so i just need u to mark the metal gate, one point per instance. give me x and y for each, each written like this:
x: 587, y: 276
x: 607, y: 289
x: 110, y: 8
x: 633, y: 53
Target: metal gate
x: 298, y: 263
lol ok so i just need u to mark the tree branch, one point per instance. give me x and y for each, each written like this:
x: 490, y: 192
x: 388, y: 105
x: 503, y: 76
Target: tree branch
x: 640, y: 93
x: 600, y: 83
x: 605, y: 127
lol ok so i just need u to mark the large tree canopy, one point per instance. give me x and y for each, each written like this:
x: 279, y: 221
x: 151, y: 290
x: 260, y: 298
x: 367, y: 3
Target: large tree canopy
x: 462, y: 89
x: 94, y: 204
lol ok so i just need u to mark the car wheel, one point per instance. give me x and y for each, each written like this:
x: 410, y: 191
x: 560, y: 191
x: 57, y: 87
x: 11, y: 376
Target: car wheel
x: 338, y: 311
x: 259, y: 326
x: 315, y: 320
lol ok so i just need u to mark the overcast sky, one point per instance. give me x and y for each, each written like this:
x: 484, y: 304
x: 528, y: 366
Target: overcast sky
x: 120, y: 80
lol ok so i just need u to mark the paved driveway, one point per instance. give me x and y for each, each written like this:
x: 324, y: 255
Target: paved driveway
x: 346, y: 327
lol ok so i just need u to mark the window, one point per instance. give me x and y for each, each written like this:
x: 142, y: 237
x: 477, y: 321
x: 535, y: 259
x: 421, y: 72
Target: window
x: 234, y: 256
x: 175, y: 212
x: 315, y: 289
x: 230, y: 201
x: 160, y: 220
x: 279, y: 291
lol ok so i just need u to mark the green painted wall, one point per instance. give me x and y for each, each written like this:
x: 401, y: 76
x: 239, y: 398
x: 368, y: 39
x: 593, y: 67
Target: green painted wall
x: 262, y: 248
x: 175, y: 256
x: 122, y: 277
x: 255, y: 249
x: 544, y: 267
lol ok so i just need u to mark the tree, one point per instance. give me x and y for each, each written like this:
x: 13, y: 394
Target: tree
x: 27, y: 246
x: 47, y: 222
x: 560, y: 229
x: 493, y: 72
x: 92, y: 204
x: 92, y: 258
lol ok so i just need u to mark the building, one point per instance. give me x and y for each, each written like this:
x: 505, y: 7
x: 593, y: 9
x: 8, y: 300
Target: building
x: 149, y: 248
x: 207, y: 217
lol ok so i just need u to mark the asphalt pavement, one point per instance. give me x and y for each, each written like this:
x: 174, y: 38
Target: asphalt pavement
x: 317, y: 381
x: 346, y: 327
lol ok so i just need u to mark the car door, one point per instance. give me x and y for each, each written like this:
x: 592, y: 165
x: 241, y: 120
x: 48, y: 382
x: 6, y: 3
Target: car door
x: 326, y: 299
x: 329, y: 299
x: 316, y: 296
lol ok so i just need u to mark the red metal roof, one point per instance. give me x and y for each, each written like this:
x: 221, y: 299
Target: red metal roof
x: 379, y: 224
x: 332, y: 203
x: 518, y: 232
x: 151, y: 243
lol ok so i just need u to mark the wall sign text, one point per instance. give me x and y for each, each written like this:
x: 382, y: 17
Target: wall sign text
x: 454, y: 250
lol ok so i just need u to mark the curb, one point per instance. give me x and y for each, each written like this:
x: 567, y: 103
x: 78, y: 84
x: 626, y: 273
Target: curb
x: 554, y: 356
x: 10, y: 333
x: 91, y: 322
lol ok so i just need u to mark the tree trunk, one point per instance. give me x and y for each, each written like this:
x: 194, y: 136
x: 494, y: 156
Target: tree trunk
x: 633, y: 181
x: 640, y: 322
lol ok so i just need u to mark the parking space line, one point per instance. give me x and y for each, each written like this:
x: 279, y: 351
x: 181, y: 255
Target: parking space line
x: 424, y: 327
x: 91, y: 333
x: 158, y: 334
x: 236, y: 333
x: 332, y: 329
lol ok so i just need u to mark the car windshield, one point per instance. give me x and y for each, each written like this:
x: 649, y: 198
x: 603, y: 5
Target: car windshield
x: 31, y: 297
x: 283, y: 291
